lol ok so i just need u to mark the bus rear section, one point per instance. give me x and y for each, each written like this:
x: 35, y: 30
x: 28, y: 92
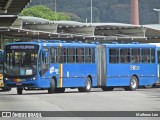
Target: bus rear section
x: 127, y: 66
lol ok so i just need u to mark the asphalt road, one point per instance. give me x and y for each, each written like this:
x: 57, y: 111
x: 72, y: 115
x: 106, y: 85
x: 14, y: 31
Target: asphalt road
x: 72, y: 100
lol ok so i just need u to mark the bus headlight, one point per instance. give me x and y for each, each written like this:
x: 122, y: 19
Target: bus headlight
x: 6, y: 78
x: 34, y: 78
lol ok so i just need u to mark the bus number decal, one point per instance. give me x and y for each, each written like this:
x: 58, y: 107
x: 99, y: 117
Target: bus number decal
x: 134, y: 67
x: 52, y: 70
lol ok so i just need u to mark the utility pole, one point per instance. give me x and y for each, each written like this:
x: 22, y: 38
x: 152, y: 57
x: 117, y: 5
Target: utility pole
x: 55, y: 6
x: 91, y: 11
x: 158, y: 10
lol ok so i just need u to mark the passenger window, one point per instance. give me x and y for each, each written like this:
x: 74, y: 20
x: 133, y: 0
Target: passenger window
x: 135, y: 55
x: 113, y: 55
x: 79, y: 55
x: 145, y: 55
x: 62, y: 52
x: 71, y: 55
x: 125, y: 55
x: 93, y: 55
x: 153, y: 56
x: 88, y: 55
x: 53, y: 57
x: 45, y: 55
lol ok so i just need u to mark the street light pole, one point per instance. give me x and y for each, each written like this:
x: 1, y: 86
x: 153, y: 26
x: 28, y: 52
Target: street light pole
x: 55, y: 7
x: 158, y: 10
x: 91, y: 11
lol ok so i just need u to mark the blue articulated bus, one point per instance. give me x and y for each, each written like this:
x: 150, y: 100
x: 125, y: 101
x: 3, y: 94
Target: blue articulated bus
x: 54, y: 66
x: 130, y: 65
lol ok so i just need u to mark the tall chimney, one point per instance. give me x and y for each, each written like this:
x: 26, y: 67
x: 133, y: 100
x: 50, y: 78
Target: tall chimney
x: 134, y: 12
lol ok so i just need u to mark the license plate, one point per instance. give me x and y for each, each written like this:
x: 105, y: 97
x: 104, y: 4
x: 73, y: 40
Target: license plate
x: 18, y: 83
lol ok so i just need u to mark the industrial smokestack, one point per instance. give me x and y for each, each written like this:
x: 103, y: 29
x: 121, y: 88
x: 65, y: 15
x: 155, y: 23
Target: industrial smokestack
x: 134, y: 12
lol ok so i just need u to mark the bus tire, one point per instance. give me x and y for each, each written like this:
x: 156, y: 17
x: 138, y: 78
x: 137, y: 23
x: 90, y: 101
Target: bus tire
x: 19, y: 91
x: 107, y: 88
x: 133, y: 84
x: 6, y: 88
x: 87, y: 87
x: 59, y: 90
x: 51, y: 90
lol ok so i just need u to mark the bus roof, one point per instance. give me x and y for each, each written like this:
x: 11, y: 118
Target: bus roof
x: 80, y: 44
x: 157, y: 44
x: 130, y: 45
x: 53, y: 44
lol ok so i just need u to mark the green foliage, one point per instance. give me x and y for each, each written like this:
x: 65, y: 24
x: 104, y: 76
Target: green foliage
x: 44, y: 12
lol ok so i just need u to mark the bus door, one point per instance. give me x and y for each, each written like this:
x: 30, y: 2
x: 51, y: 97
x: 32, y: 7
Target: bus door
x: 45, y: 66
x: 101, y: 65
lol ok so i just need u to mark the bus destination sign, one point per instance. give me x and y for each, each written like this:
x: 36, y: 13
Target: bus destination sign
x: 22, y: 47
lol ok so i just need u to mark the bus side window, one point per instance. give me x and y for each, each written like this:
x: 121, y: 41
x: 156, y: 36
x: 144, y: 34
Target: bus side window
x: 70, y: 55
x: 125, y: 55
x: 158, y: 56
x: 79, y: 55
x: 153, y: 56
x: 145, y: 55
x: 114, y: 55
x: 93, y: 55
x: 45, y: 58
x: 88, y: 55
x: 62, y: 52
x: 53, y: 56
x: 135, y: 55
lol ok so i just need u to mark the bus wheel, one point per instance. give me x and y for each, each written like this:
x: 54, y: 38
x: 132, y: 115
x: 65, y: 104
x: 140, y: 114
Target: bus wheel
x: 107, y: 88
x: 19, y: 91
x: 6, y: 88
x: 59, y: 90
x: 133, y: 84
x: 87, y: 87
x: 51, y: 90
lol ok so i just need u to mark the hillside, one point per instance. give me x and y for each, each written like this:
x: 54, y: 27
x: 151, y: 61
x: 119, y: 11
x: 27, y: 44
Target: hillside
x: 104, y: 10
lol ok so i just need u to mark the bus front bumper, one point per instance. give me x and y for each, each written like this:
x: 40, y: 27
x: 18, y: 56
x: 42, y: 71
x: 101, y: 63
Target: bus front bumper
x: 21, y: 84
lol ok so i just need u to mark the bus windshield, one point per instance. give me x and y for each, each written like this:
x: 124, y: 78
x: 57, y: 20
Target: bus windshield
x: 20, y: 62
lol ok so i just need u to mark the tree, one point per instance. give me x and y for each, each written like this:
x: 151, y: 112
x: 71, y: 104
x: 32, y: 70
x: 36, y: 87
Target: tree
x: 44, y: 12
